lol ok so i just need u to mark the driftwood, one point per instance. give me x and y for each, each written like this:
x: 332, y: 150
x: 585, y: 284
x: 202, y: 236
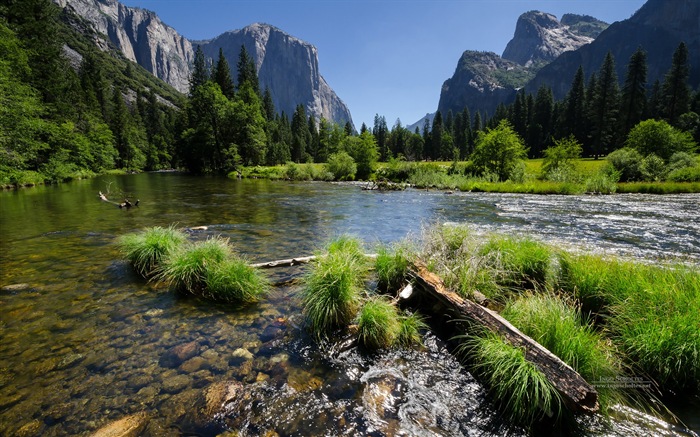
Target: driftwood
x: 577, y: 394
x: 125, y: 204
x: 284, y: 262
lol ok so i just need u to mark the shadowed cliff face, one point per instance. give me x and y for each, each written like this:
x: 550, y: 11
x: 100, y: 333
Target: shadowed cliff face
x: 658, y: 28
x: 286, y: 65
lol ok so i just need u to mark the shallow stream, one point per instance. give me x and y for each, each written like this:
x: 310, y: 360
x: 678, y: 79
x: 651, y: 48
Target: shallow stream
x: 85, y: 341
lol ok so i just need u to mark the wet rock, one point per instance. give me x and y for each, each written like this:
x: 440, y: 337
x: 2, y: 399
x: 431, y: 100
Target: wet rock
x: 7, y: 401
x: 147, y: 395
x: 301, y: 380
x: 70, y: 360
x: 193, y: 365
x: 176, y: 355
x: 129, y: 426
x: 176, y: 384
x: 262, y: 377
x: 381, y: 392
x: 154, y: 312
x: 14, y: 288
x: 58, y: 412
x: 140, y: 380
x: 32, y: 428
x: 210, y: 355
x: 213, y: 400
x: 239, y: 356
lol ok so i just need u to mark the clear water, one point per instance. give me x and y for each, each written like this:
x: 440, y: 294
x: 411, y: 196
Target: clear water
x: 85, y: 342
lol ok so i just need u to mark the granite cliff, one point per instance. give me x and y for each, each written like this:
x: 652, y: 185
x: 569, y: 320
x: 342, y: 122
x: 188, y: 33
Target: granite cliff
x: 287, y: 65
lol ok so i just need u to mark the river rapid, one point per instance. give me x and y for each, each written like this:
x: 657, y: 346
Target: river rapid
x: 86, y: 342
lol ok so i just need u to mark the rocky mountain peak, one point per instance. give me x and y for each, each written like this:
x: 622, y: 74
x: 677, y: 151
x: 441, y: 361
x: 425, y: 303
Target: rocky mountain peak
x: 540, y: 38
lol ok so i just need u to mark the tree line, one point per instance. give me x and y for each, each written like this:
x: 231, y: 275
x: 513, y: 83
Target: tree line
x: 103, y: 112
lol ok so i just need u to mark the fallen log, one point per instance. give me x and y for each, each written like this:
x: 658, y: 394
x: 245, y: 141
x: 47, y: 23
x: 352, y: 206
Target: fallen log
x: 578, y: 395
x: 125, y: 204
x: 289, y: 262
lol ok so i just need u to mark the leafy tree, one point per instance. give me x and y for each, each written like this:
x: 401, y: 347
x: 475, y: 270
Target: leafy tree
x: 675, y: 92
x: 499, y: 151
x: 222, y: 76
x: 342, y: 166
x: 561, y: 155
x: 659, y: 138
x: 605, y: 108
x: 363, y: 150
x: 248, y: 124
x: 634, y: 100
x: 627, y: 163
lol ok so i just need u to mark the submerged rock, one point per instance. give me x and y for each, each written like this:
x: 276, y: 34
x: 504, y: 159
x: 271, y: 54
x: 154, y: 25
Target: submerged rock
x: 129, y: 426
x: 177, y: 355
x: 204, y: 416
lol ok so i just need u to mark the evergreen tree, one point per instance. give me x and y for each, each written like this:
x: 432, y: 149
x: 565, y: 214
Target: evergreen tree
x: 435, y: 149
x: 574, y: 112
x: 381, y: 134
x: 268, y: 105
x: 605, y: 108
x: 674, y: 91
x: 540, y: 128
x: 519, y: 114
x: 477, y: 126
x: 300, y: 135
x: 222, y: 76
x: 314, y: 140
x: 363, y: 128
x: 654, y: 103
x: 349, y: 129
x: 200, y: 71
x: 247, y: 73
x: 634, y: 98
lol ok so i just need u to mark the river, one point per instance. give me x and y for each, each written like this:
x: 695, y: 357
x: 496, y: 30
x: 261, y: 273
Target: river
x: 85, y: 341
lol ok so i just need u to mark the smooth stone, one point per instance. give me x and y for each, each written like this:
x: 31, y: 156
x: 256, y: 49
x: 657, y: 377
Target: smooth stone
x: 240, y: 355
x: 129, y: 426
x: 176, y: 384
x: 194, y: 364
x: 176, y: 355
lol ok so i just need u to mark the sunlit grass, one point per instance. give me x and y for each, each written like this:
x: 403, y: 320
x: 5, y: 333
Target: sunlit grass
x: 148, y: 249
x: 234, y: 280
x: 186, y: 269
x: 409, y: 331
x: 391, y: 266
x: 378, y: 324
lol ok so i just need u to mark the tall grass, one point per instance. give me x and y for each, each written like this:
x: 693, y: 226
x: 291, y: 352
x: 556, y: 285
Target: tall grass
x: 234, y: 280
x: 186, y: 269
x: 557, y: 325
x: 331, y: 295
x: 527, y: 262
x: 391, y: 266
x: 378, y: 324
x: 522, y: 391
x: 148, y: 249
x: 409, y: 331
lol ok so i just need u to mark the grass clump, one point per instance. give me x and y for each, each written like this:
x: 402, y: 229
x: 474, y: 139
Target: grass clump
x: 391, y: 266
x: 379, y: 325
x: 234, y: 280
x: 526, y: 262
x: 186, y: 268
x: 331, y: 296
x: 658, y: 328
x: 409, y: 329
x: 521, y: 390
x: 557, y: 325
x: 148, y: 249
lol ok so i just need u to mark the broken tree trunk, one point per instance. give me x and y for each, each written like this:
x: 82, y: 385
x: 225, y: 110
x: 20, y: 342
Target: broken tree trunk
x: 126, y: 204
x: 577, y: 394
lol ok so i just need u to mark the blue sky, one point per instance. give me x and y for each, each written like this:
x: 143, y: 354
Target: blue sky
x: 386, y: 57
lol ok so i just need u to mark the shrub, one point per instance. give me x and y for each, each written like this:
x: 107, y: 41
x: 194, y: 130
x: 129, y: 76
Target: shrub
x: 234, y: 280
x: 628, y: 163
x: 681, y: 160
x: 687, y: 174
x: 653, y: 168
x: 186, y: 268
x: 342, y: 166
x: 498, y: 151
x: 378, y: 324
x: 561, y: 156
x: 148, y: 249
x: 659, y: 138
x: 603, y: 182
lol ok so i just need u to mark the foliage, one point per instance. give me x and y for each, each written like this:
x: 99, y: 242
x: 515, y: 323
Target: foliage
x: 561, y: 156
x: 342, y: 166
x: 685, y: 174
x: 659, y: 138
x: 378, y: 323
x: 363, y: 150
x: 148, y: 249
x: 627, y: 162
x: 498, y: 151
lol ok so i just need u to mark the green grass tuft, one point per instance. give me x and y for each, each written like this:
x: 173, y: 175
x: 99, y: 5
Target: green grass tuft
x: 409, y: 331
x: 378, y: 324
x: 186, y: 268
x: 392, y: 265
x: 526, y: 262
x: 234, y: 280
x: 148, y: 249
x: 522, y: 391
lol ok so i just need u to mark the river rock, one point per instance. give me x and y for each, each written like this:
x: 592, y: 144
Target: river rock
x: 193, y: 365
x: 239, y: 356
x: 176, y: 355
x: 32, y: 428
x: 213, y: 400
x: 176, y: 383
x: 129, y: 426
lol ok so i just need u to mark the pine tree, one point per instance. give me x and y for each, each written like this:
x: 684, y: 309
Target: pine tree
x: 574, y: 113
x: 222, y: 76
x: 268, y: 105
x: 247, y: 73
x: 436, y: 137
x: 200, y: 71
x: 300, y: 135
x: 605, y: 108
x: 675, y: 94
x: 381, y: 133
x: 633, y: 101
x: 540, y: 129
x: 519, y: 114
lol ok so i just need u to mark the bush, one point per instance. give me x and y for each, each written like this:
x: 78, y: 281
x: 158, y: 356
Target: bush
x: 148, y: 249
x: 342, y: 166
x: 659, y: 138
x: 561, y: 156
x: 687, y: 174
x: 654, y: 168
x: 681, y: 160
x: 603, y: 182
x: 628, y: 163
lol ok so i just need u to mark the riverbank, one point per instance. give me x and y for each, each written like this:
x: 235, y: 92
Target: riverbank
x: 589, y: 178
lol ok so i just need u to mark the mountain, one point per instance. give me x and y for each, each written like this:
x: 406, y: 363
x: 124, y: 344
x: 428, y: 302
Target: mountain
x: 483, y: 80
x: 287, y: 65
x: 659, y: 26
